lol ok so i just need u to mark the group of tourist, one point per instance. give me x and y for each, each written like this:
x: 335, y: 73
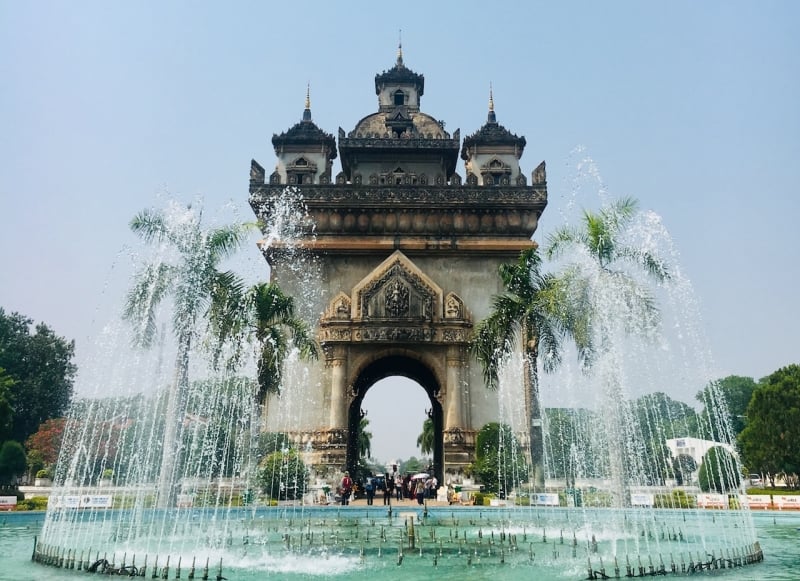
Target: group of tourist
x: 417, y: 487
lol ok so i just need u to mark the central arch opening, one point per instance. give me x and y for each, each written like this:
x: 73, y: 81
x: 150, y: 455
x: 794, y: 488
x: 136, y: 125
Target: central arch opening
x: 400, y: 369
x: 396, y: 408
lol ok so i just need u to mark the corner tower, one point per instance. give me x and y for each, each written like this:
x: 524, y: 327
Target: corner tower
x: 408, y: 257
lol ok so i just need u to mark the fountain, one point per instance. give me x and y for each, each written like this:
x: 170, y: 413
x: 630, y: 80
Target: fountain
x: 214, y: 524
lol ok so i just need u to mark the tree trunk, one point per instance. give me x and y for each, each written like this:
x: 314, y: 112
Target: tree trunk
x: 533, y: 407
x: 173, y: 427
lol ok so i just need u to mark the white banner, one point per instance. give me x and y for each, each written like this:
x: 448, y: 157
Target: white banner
x: 641, y: 499
x: 8, y: 502
x: 755, y: 501
x: 712, y: 501
x: 85, y: 501
x: 546, y: 499
x: 787, y: 502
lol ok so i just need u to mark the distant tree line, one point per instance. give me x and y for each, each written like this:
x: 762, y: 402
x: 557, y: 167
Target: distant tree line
x: 36, y: 382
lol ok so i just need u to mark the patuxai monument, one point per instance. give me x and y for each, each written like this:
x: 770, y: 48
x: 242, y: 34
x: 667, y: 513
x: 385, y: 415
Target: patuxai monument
x: 407, y: 252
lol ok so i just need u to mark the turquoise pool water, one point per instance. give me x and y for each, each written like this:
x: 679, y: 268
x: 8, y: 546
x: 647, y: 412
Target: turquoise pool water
x: 339, y: 555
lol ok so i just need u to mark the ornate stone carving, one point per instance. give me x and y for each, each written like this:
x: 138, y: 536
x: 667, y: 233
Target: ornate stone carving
x: 256, y: 172
x: 397, y: 299
x: 396, y: 290
x: 539, y: 175
x: 453, y: 307
x: 454, y: 436
x: 335, y: 334
x: 402, y: 334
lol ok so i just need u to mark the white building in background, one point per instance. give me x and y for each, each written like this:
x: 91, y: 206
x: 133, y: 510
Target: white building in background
x: 696, y: 448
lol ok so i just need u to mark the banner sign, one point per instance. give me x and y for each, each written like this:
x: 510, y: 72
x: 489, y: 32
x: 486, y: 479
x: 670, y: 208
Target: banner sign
x: 85, y: 501
x: 8, y: 502
x: 546, y: 499
x: 787, y: 502
x: 642, y: 500
x: 712, y: 501
x: 755, y: 501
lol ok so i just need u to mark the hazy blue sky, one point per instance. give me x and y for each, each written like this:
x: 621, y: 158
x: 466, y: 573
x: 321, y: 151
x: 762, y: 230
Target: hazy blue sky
x: 691, y: 107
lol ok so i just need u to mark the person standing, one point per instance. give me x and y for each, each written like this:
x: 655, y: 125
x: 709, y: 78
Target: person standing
x: 388, y: 489
x: 419, y: 490
x: 369, y: 488
x: 346, y: 488
x: 398, y: 486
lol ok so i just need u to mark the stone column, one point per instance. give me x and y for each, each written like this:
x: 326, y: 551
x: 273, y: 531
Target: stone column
x: 454, y: 418
x: 336, y: 360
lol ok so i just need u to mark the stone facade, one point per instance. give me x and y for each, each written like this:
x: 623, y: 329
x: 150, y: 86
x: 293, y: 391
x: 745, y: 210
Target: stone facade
x: 408, y: 259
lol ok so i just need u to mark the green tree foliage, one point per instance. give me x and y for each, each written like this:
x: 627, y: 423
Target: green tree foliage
x: 500, y: 464
x: 6, y: 412
x: 283, y: 475
x: 270, y: 442
x: 219, y: 414
x: 719, y: 471
x: 729, y: 396
x: 12, y: 462
x: 425, y: 439
x: 41, y: 373
x: 770, y: 441
x: 573, y: 449
x: 534, y: 311
x: 683, y: 466
x: 413, y: 465
x: 659, y: 418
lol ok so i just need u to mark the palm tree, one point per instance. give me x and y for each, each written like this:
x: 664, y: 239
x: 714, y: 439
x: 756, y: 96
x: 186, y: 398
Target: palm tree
x: 364, y: 438
x: 533, y: 310
x: 601, y: 238
x: 425, y: 439
x: 267, y: 315
x: 194, y: 283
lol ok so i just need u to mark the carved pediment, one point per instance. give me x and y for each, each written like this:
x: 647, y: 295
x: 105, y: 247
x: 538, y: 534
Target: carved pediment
x: 397, y: 290
x: 494, y: 165
x: 339, y: 308
x: 454, y: 308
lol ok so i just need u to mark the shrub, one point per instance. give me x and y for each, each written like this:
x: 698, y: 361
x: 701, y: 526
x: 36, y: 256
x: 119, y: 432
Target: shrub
x: 283, y: 475
x: 500, y: 462
x: 676, y: 499
x: 34, y: 503
x: 719, y: 471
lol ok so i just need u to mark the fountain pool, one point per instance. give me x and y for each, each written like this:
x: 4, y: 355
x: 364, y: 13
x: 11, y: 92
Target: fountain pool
x: 450, y: 543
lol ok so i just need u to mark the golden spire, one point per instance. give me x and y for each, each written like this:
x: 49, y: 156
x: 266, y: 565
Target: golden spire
x: 307, y: 110
x: 400, y: 48
x: 491, y: 118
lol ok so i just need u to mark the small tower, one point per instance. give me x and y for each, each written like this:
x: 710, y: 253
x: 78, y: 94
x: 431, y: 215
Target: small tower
x: 305, y: 152
x: 398, y: 145
x: 491, y: 155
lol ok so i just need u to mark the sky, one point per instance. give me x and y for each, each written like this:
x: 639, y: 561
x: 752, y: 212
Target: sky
x: 107, y: 108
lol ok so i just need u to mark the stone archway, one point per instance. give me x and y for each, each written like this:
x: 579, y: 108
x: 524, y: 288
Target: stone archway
x: 385, y: 366
x: 397, y: 320
x: 405, y: 261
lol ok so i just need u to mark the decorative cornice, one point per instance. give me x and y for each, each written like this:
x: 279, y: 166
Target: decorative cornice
x: 332, y: 332
x: 396, y: 196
